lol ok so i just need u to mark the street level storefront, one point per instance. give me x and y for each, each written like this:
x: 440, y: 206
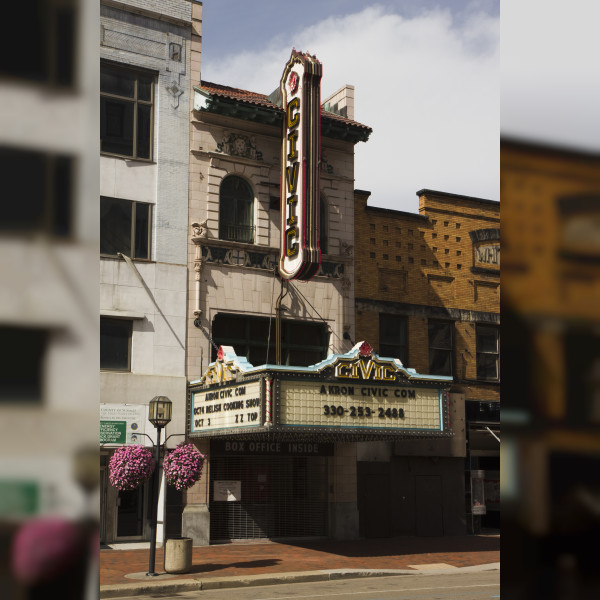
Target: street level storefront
x: 283, y: 443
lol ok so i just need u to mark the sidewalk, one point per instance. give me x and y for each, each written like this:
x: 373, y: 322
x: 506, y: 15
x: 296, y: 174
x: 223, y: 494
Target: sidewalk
x: 123, y: 571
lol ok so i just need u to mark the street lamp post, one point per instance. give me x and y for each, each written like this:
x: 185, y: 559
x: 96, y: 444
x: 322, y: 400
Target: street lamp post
x: 159, y: 414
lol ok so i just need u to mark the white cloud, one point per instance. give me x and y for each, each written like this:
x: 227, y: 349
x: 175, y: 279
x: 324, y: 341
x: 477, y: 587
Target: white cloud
x: 428, y: 87
x: 550, y: 83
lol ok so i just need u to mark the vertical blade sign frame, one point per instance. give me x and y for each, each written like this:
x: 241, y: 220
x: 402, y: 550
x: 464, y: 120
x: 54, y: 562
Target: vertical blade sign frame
x: 300, y: 252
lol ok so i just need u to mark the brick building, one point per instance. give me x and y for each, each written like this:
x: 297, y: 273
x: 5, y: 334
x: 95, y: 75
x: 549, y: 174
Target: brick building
x: 428, y: 292
x: 551, y: 358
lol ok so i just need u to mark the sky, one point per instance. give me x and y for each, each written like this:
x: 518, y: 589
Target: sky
x: 550, y: 81
x: 426, y: 77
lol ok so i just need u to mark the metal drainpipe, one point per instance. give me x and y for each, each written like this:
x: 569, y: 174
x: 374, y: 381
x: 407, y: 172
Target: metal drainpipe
x: 278, y: 326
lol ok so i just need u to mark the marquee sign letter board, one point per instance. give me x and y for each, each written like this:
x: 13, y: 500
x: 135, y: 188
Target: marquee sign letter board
x: 227, y: 407
x: 358, y: 392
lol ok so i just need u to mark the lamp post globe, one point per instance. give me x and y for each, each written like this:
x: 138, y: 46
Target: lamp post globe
x: 159, y: 414
x: 159, y: 411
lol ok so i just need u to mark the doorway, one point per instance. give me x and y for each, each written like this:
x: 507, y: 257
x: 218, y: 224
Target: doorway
x: 124, y: 515
x: 374, y: 500
x: 429, y: 497
x: 130, y: 513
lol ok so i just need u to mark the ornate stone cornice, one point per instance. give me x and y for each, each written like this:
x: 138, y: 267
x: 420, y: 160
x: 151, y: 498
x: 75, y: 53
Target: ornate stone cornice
x: 231, y: 254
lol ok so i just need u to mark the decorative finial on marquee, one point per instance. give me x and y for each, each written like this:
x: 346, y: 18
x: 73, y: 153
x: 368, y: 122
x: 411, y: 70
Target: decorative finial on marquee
x: 365, y: 349
x: 220, y: 353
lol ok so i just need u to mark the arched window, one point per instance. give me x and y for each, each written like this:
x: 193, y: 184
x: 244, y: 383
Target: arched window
x: 236, y: 202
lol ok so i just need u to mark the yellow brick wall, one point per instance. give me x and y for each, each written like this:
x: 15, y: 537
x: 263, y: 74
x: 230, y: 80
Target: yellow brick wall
x: 550, y: 291
x: 406, y: 258
x: 418, y: 345
x: 539, y: 278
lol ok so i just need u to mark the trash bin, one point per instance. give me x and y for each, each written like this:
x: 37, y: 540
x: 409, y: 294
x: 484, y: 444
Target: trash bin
x: 178, y: 555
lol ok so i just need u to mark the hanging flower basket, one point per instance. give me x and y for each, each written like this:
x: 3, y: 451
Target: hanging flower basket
x: 183, y: 466
x: 130, y: 466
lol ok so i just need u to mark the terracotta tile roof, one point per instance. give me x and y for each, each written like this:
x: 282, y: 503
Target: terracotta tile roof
x: 224, y: 91
x: 239, y: 95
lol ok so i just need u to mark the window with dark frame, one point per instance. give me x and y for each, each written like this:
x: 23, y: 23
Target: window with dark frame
x: 302, y: 344
x: 126, y: 112
x: 125, y: 227
x: 115, y: 344
x: 22, y: 366
x: 43, y: 185
x: 440, y: 336
x: 236, y: 210
x: 51, y: 57
x: 393, y: 337
x: 488, y: 352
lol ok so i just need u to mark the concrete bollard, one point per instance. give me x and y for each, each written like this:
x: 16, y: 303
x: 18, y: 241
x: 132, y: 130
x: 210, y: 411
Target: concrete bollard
x: 178, y: 555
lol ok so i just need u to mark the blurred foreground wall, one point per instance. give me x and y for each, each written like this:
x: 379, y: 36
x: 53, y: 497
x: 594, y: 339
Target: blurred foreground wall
x: 49, y: 380
x: 550, y: 360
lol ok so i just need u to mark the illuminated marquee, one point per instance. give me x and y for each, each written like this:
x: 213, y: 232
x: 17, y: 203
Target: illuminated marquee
x: 226, y: 407
x: 357, y: 393
x: 300, y: 254
x: 360, y: 405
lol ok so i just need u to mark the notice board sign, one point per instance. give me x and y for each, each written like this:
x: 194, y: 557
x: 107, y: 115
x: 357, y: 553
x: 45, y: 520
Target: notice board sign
x: 227, y: 491
x: 122, y: 424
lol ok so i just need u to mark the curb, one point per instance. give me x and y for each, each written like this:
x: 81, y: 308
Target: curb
x: 216, y: 583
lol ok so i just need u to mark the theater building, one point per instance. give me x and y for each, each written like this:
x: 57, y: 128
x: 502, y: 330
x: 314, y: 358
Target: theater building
x: 298, y: 423
x: 242, y: 292
x: 283, y: 443
x: 428, y: 292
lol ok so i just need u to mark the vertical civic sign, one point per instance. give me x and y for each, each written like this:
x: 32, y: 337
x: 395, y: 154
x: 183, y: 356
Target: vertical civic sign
x: 300, y: 254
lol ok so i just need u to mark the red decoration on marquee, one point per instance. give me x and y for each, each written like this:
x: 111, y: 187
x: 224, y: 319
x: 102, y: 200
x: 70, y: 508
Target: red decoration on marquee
x: 220, y: 353
x: 365, y: 349
x: 293, y: 82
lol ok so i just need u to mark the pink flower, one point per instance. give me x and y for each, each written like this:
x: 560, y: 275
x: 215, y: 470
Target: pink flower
x: 44, y: 548
x: 130, y: 466
x: 183, y: 466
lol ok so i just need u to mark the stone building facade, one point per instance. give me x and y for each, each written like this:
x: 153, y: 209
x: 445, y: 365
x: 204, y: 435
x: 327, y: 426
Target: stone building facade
x: 144, y: 164
x: 428, y: 292
x: 235, y: 293
x: 49, y: 306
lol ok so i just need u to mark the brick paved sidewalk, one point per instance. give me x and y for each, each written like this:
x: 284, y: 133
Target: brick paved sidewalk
x: 243, y: 559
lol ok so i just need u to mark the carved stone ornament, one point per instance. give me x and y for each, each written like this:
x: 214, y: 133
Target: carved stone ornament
x: 237, y: 144
x: 198, y: 264
x: 347, y: 248
x: 326, y: 166
x: 346, y: 285
x: 175, y: 90
x: 200, y: 229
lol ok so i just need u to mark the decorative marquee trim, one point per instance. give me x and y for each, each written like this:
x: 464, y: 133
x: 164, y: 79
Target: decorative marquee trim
x: 357, y: 394
x: 360, y: 363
